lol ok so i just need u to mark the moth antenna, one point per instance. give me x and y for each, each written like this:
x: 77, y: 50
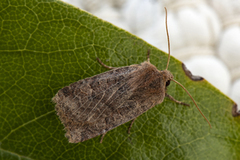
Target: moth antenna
x: 167, y: 39
x: 193, y: 101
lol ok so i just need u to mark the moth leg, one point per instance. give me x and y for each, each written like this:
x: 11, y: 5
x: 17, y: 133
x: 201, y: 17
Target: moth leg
x: 148, y: 58
x: 103, y: 137
x: 104, y: 65
x: 179, y: 102
x: 131, y: 125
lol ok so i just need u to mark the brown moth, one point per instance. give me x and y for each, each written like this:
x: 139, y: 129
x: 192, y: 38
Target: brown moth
x: 95, y: 105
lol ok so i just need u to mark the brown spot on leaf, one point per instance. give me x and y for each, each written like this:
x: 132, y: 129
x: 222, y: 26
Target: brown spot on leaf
x: 235, y: 111
x: 189, y: 74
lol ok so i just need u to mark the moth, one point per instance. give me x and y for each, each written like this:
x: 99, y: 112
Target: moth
x: 95, y: 105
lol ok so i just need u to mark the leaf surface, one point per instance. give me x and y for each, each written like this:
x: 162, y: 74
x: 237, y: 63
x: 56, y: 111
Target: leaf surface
x: 46, y: 45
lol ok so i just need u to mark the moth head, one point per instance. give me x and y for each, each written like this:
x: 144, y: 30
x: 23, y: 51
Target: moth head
x: 167, y: 76
x: 168, y: 83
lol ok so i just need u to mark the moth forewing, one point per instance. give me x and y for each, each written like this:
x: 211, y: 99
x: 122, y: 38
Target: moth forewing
x: 95, y: 105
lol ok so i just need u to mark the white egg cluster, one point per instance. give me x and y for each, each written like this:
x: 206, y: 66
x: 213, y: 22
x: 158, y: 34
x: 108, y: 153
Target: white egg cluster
x: 204, y: 34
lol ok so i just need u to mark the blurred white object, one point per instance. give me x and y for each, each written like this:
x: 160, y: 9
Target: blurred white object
x: 111, y: 15
x: 212, y: 69
x: 229, y: 44
x: 75, y: 3
x: 193, y: 30
x: 235, y: 92
x: 228, y: 10
x: 141, y: 14
x: 229, y: 49
x: 91, y: 5
x: 116, y: 3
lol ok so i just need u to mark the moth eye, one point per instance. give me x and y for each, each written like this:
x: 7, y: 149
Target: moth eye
x: 167, y: 83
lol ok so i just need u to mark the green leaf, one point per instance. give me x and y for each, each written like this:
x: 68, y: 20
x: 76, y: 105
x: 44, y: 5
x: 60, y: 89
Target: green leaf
x: 47, y: 44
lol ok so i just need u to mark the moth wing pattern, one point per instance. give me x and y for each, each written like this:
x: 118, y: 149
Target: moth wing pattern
x: 95, y: 105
